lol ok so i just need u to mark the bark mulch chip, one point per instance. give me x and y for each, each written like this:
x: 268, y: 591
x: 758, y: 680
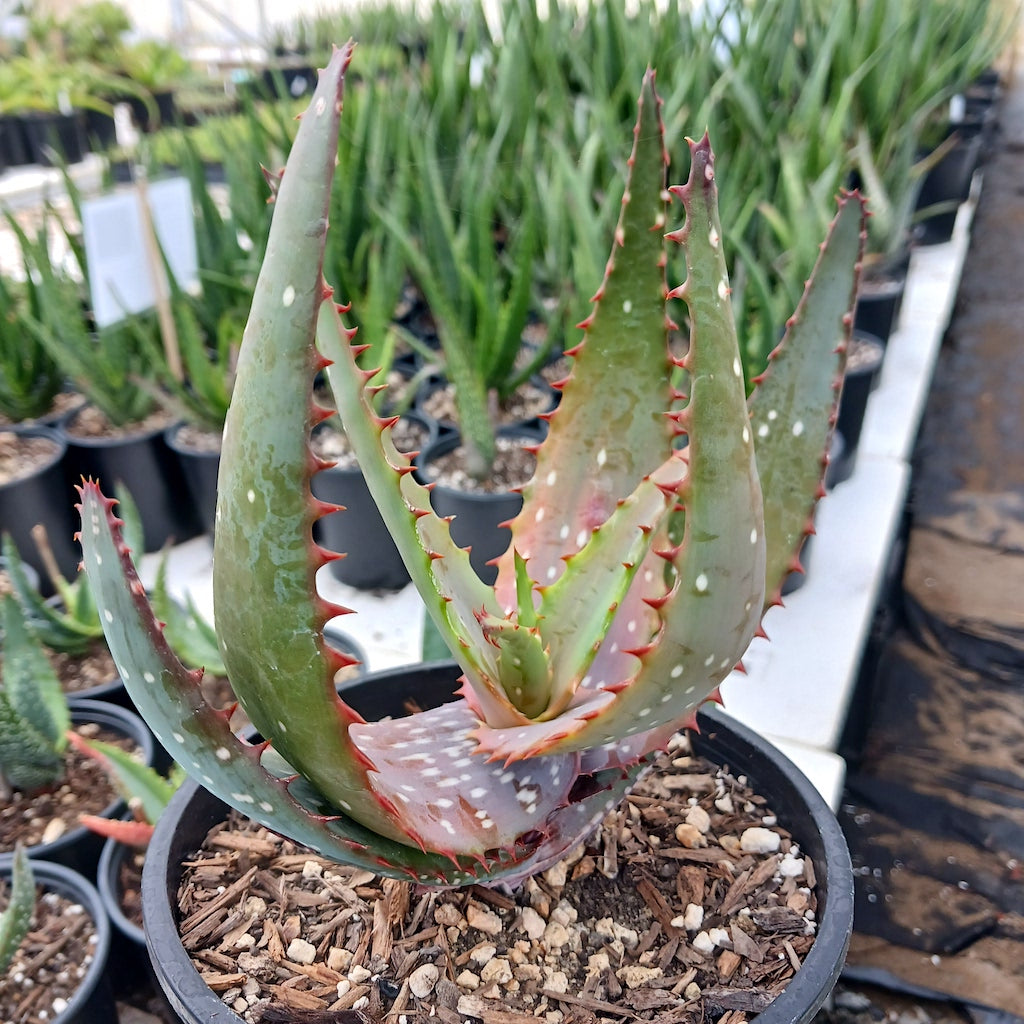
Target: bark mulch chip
x: 689, y: 904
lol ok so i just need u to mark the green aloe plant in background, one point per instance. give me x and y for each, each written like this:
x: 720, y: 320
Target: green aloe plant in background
x: 30, y: 378
x: 16, y: 919
x: 479, y: 291
x: 638, y: 572
x: 34, y: 715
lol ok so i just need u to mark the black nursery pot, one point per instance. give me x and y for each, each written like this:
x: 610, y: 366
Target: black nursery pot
x: 862, y: 370
x: 947, y: 184
x: 79, y: 849
x: 127, y: 941
x: 149, y: 470
x: 200, y: 469
x: 371, y: 561
x: 93, y: 1001
x: 50, y: 136
x: 478, y: 515
x: 193, y: 811
x: 166, y: 111
x: 880, y: 297
x: 42, y: 498
x: 13, y: 150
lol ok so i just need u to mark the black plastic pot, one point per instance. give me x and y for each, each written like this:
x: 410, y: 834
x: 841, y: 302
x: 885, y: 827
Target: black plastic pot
x: 371, y: 561
x: 52, y: 136
x: 79, y: 849
x: 13, y: 150
x: 880, y: 296
x: 478, y: 516
x: 200, y: 469
x: 100, y: 130
x: 947, y: 184
x: 166, y: 113
x: 43, y: 498
x: 93, y: 1001
x: 193, y: 811
x: 128, y: 941
x: 859, y: 382
x: 149, y: 470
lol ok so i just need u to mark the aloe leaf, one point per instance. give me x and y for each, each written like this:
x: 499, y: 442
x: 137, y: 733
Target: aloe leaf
x: 794, y: 403
x: 17, y: 917
x: 454, y: 595
x: 138, y: 783
x: 29, y: 681
x: 597, y: 452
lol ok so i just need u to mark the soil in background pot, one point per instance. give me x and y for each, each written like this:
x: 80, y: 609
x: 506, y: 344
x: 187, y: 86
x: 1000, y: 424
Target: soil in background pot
x: 58, y: 975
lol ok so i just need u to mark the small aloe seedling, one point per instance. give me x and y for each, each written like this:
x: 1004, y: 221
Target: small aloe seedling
x: 638, y: 571
x: 16, y: 919
x: 33, y: 711
x: 144, y: 789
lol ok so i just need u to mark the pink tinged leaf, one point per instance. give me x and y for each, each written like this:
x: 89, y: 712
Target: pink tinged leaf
x: 131, y: 833
x: 456, y: 799
x: 453, y: 593
x: 710, y: 613
x: 598, y: 451
x: 589, y: 606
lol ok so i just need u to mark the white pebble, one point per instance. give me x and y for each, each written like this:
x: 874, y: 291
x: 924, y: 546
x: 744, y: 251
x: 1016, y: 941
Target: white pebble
x: 531, y: 922
x: 759, y: 840
x: 699, y: 819
x: 693, y: 917
x: 497, y: 971
x: 423, y: 980
x: 791, y: 867
x: 636, y: 975
x: 301, y: 951
x: 468, y: 980
x: 703, y: 944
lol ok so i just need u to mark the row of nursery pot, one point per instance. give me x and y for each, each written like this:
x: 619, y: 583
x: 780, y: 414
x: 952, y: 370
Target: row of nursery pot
x: 42, y: 465
x: 61, y: 78
x: 638, y: 573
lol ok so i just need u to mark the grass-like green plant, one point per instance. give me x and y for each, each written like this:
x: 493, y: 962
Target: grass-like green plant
x: 638, y: 571
x: 30, y: 378
x: 108, y: 366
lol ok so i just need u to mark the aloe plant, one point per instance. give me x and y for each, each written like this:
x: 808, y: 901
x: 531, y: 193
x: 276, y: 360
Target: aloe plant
x: 146, y: 792
x: 637, y: 574
x: 33, y: 711
x: 16, y: 919
x: 29, y: 378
